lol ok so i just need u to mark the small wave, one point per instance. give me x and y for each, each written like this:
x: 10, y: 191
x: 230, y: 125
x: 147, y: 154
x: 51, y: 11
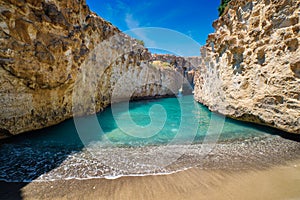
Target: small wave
x: 32, y: 164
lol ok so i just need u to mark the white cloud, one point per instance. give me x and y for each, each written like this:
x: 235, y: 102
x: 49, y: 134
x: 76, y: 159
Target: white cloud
x: 109, y: 10
x: 121, y: 5
x: 130, y: 22
x: 190, y: 33
x: 134, y: 28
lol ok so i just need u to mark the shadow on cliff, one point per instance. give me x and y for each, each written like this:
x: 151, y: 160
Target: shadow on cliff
x: 286, y: 135
x: 258, y: 127
x: 26, y: 157
x: 266, y: 129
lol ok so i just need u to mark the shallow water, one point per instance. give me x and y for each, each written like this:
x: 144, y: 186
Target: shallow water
x: 145, y: 137
x: 168, y: 120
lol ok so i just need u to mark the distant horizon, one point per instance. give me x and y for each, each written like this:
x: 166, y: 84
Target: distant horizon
x: 178, y: 28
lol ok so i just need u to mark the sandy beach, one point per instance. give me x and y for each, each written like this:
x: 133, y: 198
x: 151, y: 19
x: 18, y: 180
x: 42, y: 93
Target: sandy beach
x: 149, y: 100
x: 277, y: 182
x: 266, y: 168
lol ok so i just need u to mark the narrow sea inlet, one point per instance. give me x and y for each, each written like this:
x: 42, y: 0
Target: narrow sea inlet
x: 146, y: 137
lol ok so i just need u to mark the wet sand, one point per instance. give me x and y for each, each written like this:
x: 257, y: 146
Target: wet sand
x: 260, y: 168
x: 277, y: 182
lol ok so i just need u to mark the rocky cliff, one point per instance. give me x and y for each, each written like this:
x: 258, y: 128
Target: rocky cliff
x: 182, y: 63
x: 186, y: 66
x: 251, y: 64
x: 58, y: 58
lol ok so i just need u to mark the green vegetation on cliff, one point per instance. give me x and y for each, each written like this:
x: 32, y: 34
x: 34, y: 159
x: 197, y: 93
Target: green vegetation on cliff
x: 141, y: 42
x: 160, y: 64
x: 222, y: 7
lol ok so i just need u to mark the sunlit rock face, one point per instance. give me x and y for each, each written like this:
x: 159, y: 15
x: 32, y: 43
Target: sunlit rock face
x: 186, y: 66
x: 58, y: 58
x: 251, y: 64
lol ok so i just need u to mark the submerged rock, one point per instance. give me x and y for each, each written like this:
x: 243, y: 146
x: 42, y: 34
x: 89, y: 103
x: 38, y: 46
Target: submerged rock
x: 250, y: 67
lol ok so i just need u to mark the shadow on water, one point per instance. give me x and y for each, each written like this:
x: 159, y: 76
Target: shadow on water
x: 260, y: 128
x: 33, y: 154
x: 267, y: 130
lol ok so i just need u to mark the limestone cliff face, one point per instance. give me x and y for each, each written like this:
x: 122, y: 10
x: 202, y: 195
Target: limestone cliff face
x: 58, y: 58
x: 186, y: 66
x: 182, y: 63
x: 251, y: 64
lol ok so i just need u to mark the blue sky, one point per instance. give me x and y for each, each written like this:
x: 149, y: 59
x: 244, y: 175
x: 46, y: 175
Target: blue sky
x: 180, y: 26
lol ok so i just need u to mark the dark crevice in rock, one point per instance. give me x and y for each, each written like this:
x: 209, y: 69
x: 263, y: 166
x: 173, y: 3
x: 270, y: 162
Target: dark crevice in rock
x: 295, y: 67
x: 4, y: 134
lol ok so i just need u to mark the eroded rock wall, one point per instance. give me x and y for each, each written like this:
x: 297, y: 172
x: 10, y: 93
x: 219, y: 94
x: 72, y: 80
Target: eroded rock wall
x: 58, y: 58
x: 186, y: 66
x: 251, y: 64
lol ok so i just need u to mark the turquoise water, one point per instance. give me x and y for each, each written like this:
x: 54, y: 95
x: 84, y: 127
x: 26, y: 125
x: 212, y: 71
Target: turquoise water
x: 184, y: 120
x: 179, y: 119
x: 121, y: 136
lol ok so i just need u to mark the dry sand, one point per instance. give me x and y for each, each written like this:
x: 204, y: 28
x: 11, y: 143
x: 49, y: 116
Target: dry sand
x: 279, y: 182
